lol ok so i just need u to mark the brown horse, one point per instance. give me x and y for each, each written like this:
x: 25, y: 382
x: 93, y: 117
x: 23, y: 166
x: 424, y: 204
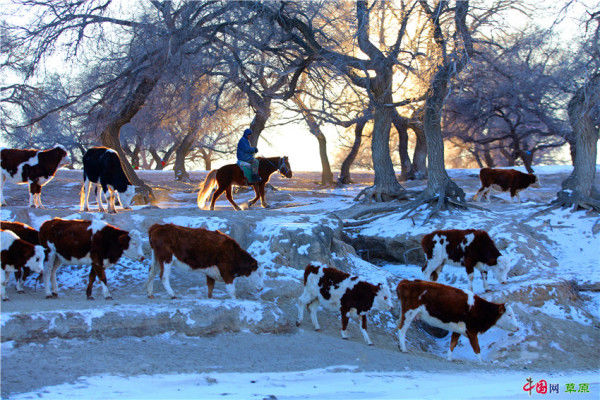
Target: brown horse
x: 232, y: 174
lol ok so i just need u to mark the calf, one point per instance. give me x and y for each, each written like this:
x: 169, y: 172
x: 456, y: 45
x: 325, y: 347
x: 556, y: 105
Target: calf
x: 211, y: 253
x: 339, y: 291
x: 446, y: 307
x: 102, y: 169
x: 16, y: 254
x: 505, y: 180
x: 86, y: 242
x: 470, y: 248
x: 35, y: 167
x: 28, y: 234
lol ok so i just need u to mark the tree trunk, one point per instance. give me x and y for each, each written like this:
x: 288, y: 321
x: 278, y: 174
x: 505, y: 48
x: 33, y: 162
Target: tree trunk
x: 584, y: 116
x: 419, y: 164
x: 207, y: 162
x: 347, y: 163
x: 401, y: 125
x: 262, y: 112
x: 313, y: 127
x: 487, y: 156
x: 527, y: 158
x: 386, y: 186
x: 110, y: 136
x: 439, y: 183
x: 181, y: 153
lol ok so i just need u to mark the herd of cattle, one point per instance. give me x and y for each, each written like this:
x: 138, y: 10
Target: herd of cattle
x: 220, y: 258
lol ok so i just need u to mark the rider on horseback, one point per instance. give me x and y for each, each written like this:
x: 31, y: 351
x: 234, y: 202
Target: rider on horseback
x: 246, y: 160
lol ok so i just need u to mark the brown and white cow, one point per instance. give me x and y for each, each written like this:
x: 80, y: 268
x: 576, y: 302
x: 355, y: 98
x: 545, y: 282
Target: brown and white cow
x: 211, y: 253
x: 35, y: 167
x: 86, y: 242
x: 28, y: 234
x: 505, y: 180
x: 339, y: 291
x: 16, y: 254
x: 471, y: 248
x: 446, y: 307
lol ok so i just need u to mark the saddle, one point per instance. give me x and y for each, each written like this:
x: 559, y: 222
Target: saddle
x: 247, y: 170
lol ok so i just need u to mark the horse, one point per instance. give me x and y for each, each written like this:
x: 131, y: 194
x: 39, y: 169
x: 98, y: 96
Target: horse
x: 232, y: 174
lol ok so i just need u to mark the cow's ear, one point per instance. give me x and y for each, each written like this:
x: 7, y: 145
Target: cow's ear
x: 124, y: 240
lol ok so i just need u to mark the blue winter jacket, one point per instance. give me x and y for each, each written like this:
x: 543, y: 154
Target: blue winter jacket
x: 245, y: 151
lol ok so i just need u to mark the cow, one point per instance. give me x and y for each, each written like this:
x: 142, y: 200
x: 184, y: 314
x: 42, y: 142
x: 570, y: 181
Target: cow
x: 446, y: 307
x: 16, y: 254
x: 505, y: 180
x: 471, y: 248
x: 35, y: 167
x: 339, y: 291
x: 102, y: 169
x: 211, y: 253
x: 86, y: 242
x: 28, y: 234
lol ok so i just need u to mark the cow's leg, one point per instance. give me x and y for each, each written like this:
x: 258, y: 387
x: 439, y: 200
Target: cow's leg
x: 166, y: 279
x: 363, y: 329
x: 154, y: 266
x: 215, y: 196
x: 312, y: 308
x: 453, y: 343
x: 470, y: 267
x: 345, y: 320
x: 100, y: 272
x: 3, y: 280
x: 230, y: 198
x: 82, y: 196
x: 434, y: 265
x: 303, y: 301
x: 2, y: 189
x: 210, y: 283
x: 50, y: 275
x: 111, y: 201
x: 479, y: 192
x: 474, y: 343
x: 484, y: 278
x: 230, y: 287
x: 31, y: 200
x: 99, y: 191
x: 91, y: 279
x: 403, y: 324
x: 256, y: 196
x: 39, y: 199
x: 19, y: 280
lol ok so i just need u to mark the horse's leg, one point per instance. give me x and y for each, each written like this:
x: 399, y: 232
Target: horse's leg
x: 261, y: 190
x: 216, y: 195
x: 255, y: 199
x: 230, y: 198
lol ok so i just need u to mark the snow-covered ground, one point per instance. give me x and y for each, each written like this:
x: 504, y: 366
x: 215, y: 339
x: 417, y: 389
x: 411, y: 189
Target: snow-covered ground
x: 554, y: 288
x: 336, y: 382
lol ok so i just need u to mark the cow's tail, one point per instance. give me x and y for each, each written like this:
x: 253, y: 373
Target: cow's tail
x: 206, y: 188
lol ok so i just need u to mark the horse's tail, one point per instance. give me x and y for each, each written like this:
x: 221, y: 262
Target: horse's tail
x: 206, y: 188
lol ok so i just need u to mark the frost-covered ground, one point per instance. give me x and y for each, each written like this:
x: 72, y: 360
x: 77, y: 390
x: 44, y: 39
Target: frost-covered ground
x: 336, y: 382
x: 554, y: 287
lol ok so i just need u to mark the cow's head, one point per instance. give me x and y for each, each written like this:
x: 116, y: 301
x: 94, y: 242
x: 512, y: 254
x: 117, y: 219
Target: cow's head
x: 127, y: 196
x: 63, y: 155
x: 534, y: 182
x: 507, y: 320
x: 383, y: 298
x: 36, y: 261
x: 133, y: 244
x: 248, y: 266
x: 501, y: 270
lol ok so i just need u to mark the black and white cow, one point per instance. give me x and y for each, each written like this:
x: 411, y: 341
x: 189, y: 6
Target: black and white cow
x: 471, y: 248
x: 339, y: 291
x: 16, y: 254
x: 81, y: 242
x: 102, y: 169
x: 33, y: 167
